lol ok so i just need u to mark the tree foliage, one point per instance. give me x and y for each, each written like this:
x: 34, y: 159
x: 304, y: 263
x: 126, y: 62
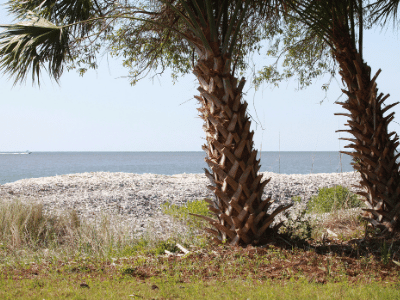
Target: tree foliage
x: 147, y: 48
x: 299, y: 53
x: 130, y: 30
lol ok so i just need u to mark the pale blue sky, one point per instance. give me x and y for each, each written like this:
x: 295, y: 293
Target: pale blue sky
x: 102, y: 112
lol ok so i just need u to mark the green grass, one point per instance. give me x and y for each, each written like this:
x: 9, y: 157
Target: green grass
x: 194, y: 224
x: 182, y: 213
x: 69, y: 288
x: 25, y: 225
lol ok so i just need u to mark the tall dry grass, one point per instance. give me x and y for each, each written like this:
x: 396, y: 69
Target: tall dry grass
x: 25, y: 225
x: 27, y: 232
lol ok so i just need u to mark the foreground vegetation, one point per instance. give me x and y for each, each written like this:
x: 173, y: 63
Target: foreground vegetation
x: 316, y: 256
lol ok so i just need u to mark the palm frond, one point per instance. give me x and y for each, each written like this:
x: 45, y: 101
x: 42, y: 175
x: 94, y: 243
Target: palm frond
x: 238, y: 25
x: 196, y: 25
x: 60, y: 12
x: 228, y: 33
x: 28, y: 46
x: 200, y: 13
x: 211, y: 21
x: 384, y: 10
x: 325, y: 17
x: 190, y: 20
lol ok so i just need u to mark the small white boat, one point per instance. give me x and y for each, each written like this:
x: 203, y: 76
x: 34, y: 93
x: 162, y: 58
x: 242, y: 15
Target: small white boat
x: 27, y: 152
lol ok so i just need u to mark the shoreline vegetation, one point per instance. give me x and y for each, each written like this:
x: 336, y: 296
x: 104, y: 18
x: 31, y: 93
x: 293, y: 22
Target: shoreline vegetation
x: 324, y: 250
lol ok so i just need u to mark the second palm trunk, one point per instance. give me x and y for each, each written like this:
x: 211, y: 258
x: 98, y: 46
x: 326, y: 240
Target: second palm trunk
x: 375, y: 148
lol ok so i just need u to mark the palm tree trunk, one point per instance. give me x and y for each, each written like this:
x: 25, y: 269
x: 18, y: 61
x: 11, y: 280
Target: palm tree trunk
x: 374, y: 156
x: 242, y: 216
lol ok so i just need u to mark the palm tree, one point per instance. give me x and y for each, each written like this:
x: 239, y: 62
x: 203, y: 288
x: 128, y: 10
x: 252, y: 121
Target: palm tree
x: 374, y: 147
x: 212, y: 29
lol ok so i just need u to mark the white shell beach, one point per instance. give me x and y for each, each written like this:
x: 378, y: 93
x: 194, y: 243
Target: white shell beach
x: 135, y: 199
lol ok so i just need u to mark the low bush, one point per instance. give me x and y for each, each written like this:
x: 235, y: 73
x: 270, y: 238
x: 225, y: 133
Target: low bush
x: 332, y: 199
x: 298, y: 225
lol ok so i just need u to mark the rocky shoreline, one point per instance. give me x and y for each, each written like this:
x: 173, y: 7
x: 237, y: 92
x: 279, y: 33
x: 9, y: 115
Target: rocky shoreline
x: 135, y: 199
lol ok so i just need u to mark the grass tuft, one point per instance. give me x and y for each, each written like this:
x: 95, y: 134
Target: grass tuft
x: 25, y: 225
x: 182, y: 213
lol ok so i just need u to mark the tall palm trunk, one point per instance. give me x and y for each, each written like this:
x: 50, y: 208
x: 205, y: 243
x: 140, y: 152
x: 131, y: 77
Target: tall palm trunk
x: 242, y: 214
x: 374, y: 156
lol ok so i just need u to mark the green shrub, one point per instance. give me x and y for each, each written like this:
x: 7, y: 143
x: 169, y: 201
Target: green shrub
x: 298, y: 225
x: 333, y: 198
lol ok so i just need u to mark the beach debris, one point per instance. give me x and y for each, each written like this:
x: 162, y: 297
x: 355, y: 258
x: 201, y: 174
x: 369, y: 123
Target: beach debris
x: 183, y: 249
x: 330, y: 232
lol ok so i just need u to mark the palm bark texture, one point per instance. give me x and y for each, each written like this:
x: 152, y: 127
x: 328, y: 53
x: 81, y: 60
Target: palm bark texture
x: 375, y: 148
x: 242, y: 213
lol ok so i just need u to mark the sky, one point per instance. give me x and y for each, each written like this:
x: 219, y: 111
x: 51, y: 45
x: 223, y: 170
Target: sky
x: 102, y: 112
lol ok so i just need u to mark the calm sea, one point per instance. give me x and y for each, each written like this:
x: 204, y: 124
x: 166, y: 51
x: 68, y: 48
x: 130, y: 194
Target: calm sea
x: 42, y: 164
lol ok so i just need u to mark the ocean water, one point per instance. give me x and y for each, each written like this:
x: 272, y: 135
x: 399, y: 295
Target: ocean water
x: 42, y: 164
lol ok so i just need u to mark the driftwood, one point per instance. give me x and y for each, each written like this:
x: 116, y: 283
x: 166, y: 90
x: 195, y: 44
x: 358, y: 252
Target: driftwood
x: 183, y: 249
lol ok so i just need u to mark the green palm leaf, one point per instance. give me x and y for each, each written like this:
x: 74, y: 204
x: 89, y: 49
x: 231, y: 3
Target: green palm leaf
x: 236, y: 32
x: 59, y: 12
x: 67, y: 11
x: 323, y: 16
x: 228, y: 34
x: 211, y: 21
x: 29, y: 45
